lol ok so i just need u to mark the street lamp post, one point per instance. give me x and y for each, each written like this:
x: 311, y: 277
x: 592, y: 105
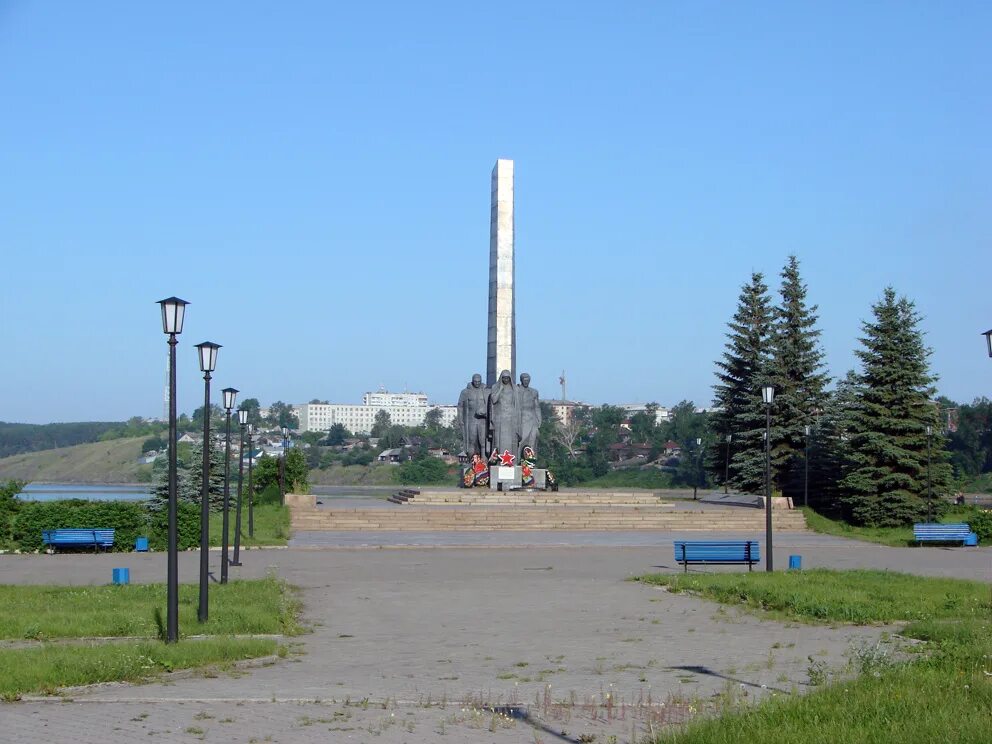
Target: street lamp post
x: 173, y: 314
x: 768, y: 396
x: 699, y: 460
x: 251, y: 490
x: 929, y: 480
x: 243, y: 423
x: 809, y: 430
x: 208, y: 363
x: 230, y: 394
x: 282, y: 466
x: 726, y: 467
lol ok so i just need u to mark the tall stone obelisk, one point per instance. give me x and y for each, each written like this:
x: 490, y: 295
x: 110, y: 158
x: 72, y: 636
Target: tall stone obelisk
x: 502, y: 340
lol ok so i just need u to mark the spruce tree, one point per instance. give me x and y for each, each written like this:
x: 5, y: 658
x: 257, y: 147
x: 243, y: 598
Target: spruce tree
x: 829, y: 452
x: 189, y: 480
x: 797, y: 373
x: 887, y: 483
x: 741, y: 372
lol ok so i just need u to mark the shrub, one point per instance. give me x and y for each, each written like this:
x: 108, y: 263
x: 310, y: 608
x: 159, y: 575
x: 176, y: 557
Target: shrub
x: 128, y: 518
x: 9, y: 506
x: 269, y: 495
x: 187, y: 527
x: 979, y: 520
x: 426, y: 471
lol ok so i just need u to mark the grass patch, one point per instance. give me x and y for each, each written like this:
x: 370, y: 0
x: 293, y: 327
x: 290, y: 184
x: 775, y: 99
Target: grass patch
x: 239, y: 607
x: 630, y: 479
x: 271, y: 526
x: 859, y: 597
x: 47, y: 668
x: 944, y: 695
x: 898, y: 537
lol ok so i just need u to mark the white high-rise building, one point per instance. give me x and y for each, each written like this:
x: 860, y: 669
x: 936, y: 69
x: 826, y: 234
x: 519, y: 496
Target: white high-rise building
x: 405, y: 409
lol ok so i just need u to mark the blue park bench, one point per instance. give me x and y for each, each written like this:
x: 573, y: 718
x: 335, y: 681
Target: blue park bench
x: 723, y: 551
x: 928, y: 532
x: 68, y: 538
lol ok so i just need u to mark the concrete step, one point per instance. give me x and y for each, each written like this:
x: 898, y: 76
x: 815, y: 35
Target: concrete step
x: 536, y: 518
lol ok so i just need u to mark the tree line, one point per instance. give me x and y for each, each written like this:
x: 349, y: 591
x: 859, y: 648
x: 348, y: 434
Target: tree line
x: 876, y: 446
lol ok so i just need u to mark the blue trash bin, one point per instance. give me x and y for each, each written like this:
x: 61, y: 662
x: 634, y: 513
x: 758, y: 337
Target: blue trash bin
x: 141, y: 544
x: 122, y: 576
x: 971, y: 539
x: 795, y: 562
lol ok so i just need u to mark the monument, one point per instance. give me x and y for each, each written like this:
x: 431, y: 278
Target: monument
x: 502, y: 418
x: 501, y: 352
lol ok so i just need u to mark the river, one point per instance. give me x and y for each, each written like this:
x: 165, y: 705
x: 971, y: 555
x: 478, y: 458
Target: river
x: 56, y: 491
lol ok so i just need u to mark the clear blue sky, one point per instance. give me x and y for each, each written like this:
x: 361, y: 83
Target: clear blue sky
x: 314, y: 178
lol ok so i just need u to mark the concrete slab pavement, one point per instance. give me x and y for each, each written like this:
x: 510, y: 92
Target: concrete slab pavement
x: 399, y: 632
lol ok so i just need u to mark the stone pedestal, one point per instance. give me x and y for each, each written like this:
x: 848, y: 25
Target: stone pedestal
x: 502, y: 478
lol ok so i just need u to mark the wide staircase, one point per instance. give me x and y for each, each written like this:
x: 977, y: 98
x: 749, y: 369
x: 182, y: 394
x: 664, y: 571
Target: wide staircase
x: 488, y: 497
x: 571, y: 514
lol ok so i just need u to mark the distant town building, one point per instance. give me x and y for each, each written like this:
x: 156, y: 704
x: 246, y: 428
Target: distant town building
x: 661, y: 413
x: 563, y: 408
x: 404, y: 409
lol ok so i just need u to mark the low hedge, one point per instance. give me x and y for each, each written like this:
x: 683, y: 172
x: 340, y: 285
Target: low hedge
x: 129, y: 519
x: 187, y: 527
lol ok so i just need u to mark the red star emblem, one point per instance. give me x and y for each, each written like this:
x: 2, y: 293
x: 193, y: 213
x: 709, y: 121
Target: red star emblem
x: 506, y: 458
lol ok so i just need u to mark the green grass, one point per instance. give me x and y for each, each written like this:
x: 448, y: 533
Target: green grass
x: 630, y: 479
x: 821, y: 595
x: 271, y: 526
x: 239, y: 607
x: 898, y: 537
x: 979, y: 484
x: 943, y: 696
x: 46, y: 668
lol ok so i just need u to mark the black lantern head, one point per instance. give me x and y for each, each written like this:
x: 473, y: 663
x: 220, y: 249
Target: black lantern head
x: 173, y: 312
x: 230, y: 394
x: 208, y: 356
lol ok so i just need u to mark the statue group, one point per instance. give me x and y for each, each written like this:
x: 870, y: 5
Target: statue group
x: 502, y: 419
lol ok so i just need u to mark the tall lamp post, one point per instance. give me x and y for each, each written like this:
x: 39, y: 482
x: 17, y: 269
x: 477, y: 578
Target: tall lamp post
x: 809, y: 431
x: 768, y: 396
x: 208, y: 363
x: 230, y: 395
x: 699, y: 460
x: 726, y: 467
x: 173, y: 313
x: 243, y: 423
x: 929, y: 479
x: 282, y: 466
x: 251, y: 490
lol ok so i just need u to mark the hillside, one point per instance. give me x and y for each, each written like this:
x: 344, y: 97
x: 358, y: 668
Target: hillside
x: 114, y: 461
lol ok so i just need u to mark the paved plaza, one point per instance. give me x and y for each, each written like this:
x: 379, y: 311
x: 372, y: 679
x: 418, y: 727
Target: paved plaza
x: 413, y: 643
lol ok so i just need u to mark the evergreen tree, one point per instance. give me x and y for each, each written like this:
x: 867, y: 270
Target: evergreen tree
x: 829, y: 452
x: 189, y: 482
x: 740, y: 374
x: 797, y: 363
x: 887, y: 483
